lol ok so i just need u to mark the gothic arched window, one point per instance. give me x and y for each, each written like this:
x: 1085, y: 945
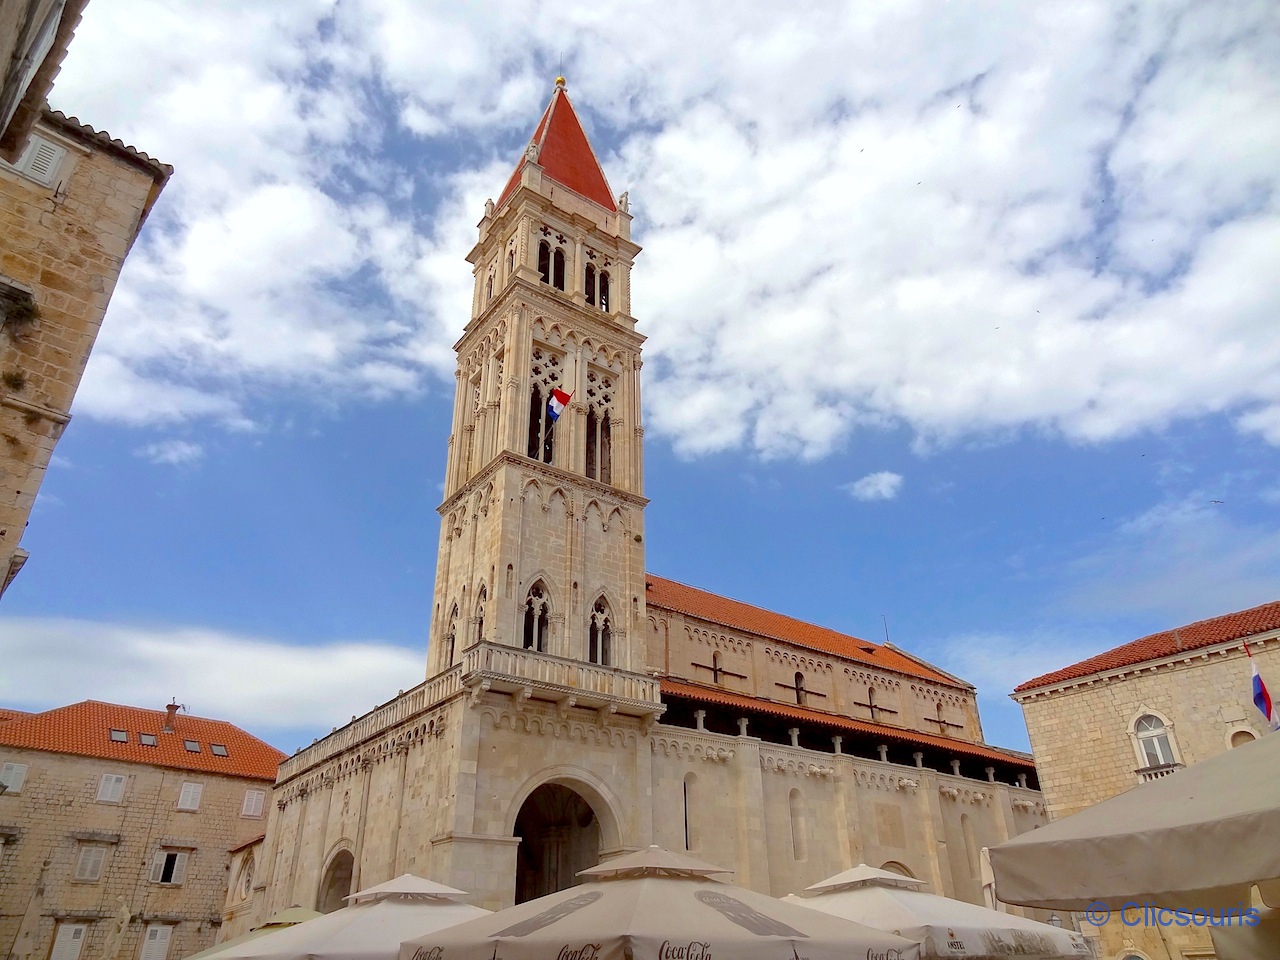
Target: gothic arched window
x: 604, y: 290
x: 544, y: 261
x: 545, y: 376
x: 600, y: 634
x: 451, y: 638
x: 480, y: 602
x: 799, y: 688
x: 511, y: 262
x: 488, y: 295
x: 590, y: 284
x: 557, y: 263
x: 536, y: 619
x: 599, y: 395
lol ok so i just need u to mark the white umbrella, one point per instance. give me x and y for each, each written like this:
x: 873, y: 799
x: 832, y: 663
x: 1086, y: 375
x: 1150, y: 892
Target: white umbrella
x: 656, y: 905
x: 1240, y: 941
x: 289, y: 917
x: 942, y: 926
x: 1198, y: 838
x: 371, y: 928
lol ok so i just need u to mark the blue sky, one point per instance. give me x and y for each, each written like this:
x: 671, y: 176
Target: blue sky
x: 965, y: 321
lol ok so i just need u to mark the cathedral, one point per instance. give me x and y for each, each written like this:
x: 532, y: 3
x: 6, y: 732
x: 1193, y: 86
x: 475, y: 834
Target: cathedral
x: 577, y: 707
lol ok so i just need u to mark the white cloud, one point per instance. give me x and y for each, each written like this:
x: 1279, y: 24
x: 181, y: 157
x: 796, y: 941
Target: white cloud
x: 50, y: 662
x: 173, y: 452
x: 875, y: 486
x: 1028, y: 227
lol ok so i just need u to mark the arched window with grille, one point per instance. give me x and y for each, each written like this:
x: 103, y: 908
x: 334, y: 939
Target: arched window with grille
x: 537, y: 621
x: 545, y: 377
x: 481, y: 599
x: 599, y: 452
x: 600, y: 634
x: 544, y: 261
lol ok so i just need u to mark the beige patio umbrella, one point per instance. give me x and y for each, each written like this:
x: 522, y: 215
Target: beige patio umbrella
x: 278, y: 921
x: 1197, y: 838
x: 1243, y: 942
x: 371, y: 928
x: 657, y: 905
x: 943, y: 927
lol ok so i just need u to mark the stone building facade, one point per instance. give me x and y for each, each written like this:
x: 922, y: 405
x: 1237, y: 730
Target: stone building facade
x: 576, y: 706
x: 1100, y: 727
x: 116, y: 829
x: 71, y: 206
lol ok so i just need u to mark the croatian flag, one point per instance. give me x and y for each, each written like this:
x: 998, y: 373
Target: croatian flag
x: 1262, y: 697
x: 555, y: 406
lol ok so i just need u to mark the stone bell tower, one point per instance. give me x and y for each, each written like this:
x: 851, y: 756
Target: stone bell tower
x: 542, y: 534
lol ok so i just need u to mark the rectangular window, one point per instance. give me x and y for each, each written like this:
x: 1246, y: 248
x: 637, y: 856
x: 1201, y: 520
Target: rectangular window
x: 68, y: 941
x: 190, y: 796
x: 218, y: 749
x: 147, y: 739
x: 155, y: 942
x: 111, y: 788
x: 169, y: 866
x: 89, y: 863
x: 120, y: 736
x: 193, y: 746
x: 13, y: 776
x: 254, y: 800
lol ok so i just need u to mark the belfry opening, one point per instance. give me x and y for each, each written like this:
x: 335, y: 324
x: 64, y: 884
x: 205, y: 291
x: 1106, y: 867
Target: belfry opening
x: 559, y: 835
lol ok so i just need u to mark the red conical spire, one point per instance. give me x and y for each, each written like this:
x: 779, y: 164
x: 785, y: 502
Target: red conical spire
x: 562, y: 150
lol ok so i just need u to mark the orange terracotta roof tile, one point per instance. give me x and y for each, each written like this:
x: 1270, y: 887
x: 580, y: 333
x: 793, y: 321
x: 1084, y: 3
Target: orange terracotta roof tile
x: 7, y: 714
x: 692, y: 691
x: 1202, y: 633
x: 565, y: 155
x: 84, y: 729
x: 670, y: 595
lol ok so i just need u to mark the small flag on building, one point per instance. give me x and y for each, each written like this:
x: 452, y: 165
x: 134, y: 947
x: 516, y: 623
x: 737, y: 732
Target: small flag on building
x: 1262, y: 696
x: 555, y: 406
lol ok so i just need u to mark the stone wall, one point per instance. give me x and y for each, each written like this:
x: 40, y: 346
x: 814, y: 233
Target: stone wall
x: 63, y: 243
x: 1086, y: 752
x: 437, y: 794
x: 56, y: 813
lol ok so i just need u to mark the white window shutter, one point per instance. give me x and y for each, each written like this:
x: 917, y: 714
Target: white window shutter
x: 190, y: 798
x: 155, y: 945
x: 111, y: 788
x: 89, y: 866
x: 157, y: 866
x: 180, y: 868
x: 69, y: 940
x: 42, y: 160
x: 253, y: 802
x: 13, y: 775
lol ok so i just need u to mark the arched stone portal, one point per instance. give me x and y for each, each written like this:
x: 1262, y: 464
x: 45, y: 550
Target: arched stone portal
x: 559, y: 835
x: 336, y: 883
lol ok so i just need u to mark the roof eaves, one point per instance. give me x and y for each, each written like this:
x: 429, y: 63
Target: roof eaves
x: 73, y: 127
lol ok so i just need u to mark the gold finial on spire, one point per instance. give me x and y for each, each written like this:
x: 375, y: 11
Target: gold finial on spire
x: 560, y: 83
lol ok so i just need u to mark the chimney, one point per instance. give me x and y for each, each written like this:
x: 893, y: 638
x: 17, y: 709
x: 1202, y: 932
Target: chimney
x: 170, y: 711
